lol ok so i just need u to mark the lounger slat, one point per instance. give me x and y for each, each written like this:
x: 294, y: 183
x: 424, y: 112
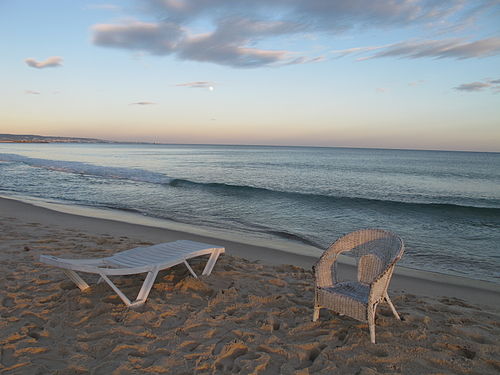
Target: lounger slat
x: 141, y: 259
x: 162, y: 252
x: 159, y: 253
x: 131, y: 263
x: 125, y: 263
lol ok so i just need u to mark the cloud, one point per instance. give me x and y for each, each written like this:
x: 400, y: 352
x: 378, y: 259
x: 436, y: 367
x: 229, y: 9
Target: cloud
x: 355, y: 50
x: 416, y: 83
x: 32, y: 92
x: 381, y: 90
x: 470, y: 15
x: 155, y: 38
x: 226, y: 45
x: 207, y: 49
x: 305, y: 60
x: 111, y: 7
x: 143, y: 103
x: 448, y: 48
x: 473, y: 86
x: 319, y: 14
x: 224, y: 36
x: 197, y: 85
x: 480, y: 86
x: 445, y: 48
x: 51, y: 62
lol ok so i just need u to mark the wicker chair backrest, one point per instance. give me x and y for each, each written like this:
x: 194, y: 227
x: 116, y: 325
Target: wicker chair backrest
x: 376, y: 251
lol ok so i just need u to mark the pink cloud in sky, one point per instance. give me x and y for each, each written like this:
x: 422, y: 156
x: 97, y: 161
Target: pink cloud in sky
x: 51, y: 62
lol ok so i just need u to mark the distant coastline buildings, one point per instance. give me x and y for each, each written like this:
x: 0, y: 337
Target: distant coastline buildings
x: 29, y: 138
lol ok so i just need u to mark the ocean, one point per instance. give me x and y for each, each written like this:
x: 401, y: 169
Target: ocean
x: 445, y: 205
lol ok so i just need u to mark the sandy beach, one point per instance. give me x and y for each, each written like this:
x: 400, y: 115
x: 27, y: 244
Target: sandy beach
x: 251, y: 316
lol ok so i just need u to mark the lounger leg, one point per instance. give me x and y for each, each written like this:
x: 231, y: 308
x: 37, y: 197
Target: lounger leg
x: 117, y: 291
x: 145, y: 289
x: 190, y: 269
x: 211, y: 263
x: 143, y: 293
x: 392, y: 306
x: 76, y: 279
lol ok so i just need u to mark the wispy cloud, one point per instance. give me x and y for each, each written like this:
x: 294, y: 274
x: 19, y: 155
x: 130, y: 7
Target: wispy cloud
x: 470, y: 15
x: 440, y: 49
x: 381, y: 90
x: 307, y: 60
x: 32, y: 92
x: 143, y: 103
x: 416, y: 83
x: 198, y: 85
x: 494, y: 85
x: 235, y: 40
x: 51, y: 62
x: 473, y: 86
x: 111, y: 7
x: 448, y: 48
x: 355, y: 51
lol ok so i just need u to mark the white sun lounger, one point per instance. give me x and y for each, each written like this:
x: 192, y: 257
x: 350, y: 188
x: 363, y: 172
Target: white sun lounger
x: 149, y: 259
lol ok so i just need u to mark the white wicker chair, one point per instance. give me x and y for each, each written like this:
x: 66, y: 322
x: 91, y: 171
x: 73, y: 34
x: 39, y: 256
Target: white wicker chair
x: 376, y: 252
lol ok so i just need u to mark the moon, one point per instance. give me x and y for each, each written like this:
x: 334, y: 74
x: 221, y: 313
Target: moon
x: 211, y: 88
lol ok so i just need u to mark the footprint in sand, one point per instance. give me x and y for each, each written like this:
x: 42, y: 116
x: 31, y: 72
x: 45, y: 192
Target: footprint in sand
x: 8, y: 302
x: 229, y: 354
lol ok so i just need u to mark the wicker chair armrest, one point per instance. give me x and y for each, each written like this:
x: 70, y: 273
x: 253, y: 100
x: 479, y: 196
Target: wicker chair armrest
x: 379, y: 286
x: 325, y: 270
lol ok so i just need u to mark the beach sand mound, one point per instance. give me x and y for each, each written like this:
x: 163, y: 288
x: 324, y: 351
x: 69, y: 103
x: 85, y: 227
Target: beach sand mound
x: 246, y: 318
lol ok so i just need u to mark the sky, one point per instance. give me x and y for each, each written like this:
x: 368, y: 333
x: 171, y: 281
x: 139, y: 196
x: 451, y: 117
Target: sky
x: 351, y: 73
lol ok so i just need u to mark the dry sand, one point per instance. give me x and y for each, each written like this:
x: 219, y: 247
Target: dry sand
x: 246, y: 318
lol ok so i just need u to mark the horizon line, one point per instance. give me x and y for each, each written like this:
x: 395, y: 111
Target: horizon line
x: 231, y: 144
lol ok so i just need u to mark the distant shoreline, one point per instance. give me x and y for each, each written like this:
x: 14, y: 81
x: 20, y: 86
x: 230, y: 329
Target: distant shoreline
x: 73, y: 142
x: 33, y: 138
x: 42, y: 139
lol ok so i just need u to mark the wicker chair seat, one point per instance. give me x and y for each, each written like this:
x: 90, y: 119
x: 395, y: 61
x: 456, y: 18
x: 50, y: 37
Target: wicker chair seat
x: 347, y: 298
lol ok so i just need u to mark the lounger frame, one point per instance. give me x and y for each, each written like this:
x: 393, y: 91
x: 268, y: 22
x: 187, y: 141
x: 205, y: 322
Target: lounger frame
x: 150, y: 260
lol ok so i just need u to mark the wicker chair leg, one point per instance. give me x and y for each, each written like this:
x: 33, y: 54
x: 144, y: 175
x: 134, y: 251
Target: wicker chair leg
x: 371, y: 325
x: 316, y: 313
x: 392, y: 306
x: 371, y: 321
x: 372, y: 332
